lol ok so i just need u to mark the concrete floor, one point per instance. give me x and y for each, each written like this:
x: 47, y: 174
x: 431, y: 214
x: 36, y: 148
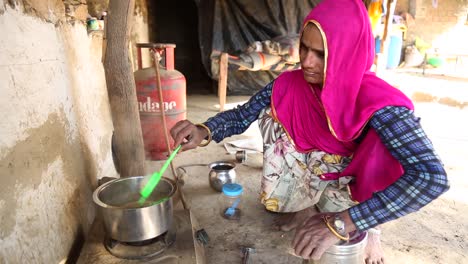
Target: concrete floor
x: 254, y: 227
x: 446, y: 125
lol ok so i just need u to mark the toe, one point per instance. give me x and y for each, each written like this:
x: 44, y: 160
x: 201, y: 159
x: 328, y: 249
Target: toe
x: 288, y: 227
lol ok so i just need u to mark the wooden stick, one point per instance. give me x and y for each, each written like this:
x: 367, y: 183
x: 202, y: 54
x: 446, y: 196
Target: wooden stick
x: 104, y: 40
x: 386, y: 25
x: 222, y: 81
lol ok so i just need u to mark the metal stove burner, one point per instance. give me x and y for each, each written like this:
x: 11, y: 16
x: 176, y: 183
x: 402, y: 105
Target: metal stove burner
x: 142, y: 249
x: 186, y: 248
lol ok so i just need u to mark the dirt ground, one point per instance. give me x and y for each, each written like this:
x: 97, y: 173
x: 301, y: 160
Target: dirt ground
x: 436, y: 234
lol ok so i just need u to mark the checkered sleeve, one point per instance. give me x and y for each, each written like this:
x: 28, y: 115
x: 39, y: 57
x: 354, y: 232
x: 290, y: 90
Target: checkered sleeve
x: 424, y: 177
x: 237, y: 120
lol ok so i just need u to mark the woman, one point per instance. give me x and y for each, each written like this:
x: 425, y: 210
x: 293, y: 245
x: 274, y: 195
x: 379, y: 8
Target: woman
x: 331, y: 127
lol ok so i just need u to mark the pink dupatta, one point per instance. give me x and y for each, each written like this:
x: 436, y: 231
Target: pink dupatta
x: 331, y: 118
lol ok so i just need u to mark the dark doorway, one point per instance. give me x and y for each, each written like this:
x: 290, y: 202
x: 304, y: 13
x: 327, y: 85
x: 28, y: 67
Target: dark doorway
x: 176, y: 21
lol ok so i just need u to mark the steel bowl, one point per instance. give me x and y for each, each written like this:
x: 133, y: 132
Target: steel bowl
x: 127, y: 220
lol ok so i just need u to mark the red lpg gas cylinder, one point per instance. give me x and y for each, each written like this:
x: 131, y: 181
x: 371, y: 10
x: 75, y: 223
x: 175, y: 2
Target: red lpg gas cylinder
x: 173, y: 86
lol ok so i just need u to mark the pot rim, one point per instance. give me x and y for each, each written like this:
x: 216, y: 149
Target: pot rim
x: 218, y: 163
x: 362, y: 236
x: 100, y: 203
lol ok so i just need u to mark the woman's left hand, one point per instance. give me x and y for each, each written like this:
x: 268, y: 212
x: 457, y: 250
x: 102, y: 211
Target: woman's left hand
x: 313, y: 237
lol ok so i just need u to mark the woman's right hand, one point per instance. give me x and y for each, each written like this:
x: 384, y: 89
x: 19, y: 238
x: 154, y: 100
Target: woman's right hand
x: 189, y: 135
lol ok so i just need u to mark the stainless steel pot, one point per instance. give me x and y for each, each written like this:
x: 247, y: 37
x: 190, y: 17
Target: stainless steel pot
x: 351, y: 252
x: 221, y: 172
x: 127, y: 220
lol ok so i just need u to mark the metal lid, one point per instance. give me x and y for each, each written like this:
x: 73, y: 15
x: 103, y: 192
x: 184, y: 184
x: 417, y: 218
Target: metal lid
x: 232, y: 189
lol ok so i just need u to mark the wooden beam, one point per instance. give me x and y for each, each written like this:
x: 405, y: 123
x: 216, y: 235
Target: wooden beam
x: 121, y: 89
x: 387, y: 23
x: 222, y: 80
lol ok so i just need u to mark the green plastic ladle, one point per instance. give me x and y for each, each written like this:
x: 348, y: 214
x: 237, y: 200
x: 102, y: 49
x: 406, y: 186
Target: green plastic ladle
x: 156, y: 177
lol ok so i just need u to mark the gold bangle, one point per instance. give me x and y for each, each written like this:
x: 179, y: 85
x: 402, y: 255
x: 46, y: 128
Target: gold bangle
x: 327, y: 223
x: 209, y: 135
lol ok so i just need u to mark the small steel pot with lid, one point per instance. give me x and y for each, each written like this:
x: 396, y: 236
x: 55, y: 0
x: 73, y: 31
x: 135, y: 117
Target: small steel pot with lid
x: 124, y: 218
x: 221, y: 172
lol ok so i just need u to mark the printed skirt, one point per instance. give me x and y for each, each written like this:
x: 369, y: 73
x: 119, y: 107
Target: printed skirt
x: 292, y: 180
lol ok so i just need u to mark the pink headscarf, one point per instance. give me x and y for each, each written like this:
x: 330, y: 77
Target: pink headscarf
x: 330, y: 118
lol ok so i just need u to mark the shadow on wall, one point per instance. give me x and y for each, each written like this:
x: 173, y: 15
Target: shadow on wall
x: 76, y: 247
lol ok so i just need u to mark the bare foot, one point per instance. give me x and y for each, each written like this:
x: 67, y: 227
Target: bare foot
x: 289, y: 221
x: 282, y: 219
x: 374, y: 253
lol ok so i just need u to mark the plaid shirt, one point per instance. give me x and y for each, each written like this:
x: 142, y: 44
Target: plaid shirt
x: 424, y: 178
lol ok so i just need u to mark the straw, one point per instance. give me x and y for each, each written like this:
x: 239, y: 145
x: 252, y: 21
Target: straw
x: 156, y: 177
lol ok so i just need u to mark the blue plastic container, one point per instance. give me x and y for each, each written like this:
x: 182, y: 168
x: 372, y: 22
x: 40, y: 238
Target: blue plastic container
x: 393, y: 50
x: 377, y: 45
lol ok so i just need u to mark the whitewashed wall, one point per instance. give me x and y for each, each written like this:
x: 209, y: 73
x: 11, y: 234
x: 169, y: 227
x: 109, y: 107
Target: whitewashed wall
x: 55, y: 131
